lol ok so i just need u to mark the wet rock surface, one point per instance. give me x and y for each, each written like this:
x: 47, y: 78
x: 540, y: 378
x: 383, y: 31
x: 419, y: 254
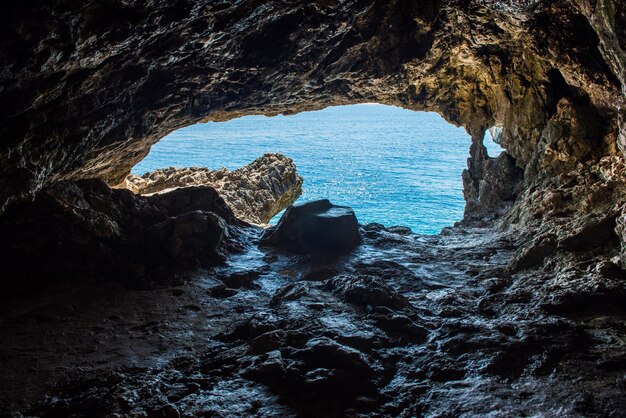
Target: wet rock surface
x: 578, y: 211
x: 255, y: 192
x: 315, y: 227
x: 524, y: 318
x: 407, y: 325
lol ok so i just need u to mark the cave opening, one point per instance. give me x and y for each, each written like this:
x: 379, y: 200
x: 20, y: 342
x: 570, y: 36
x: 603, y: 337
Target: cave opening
x: 116, y: 302
x: 393, y: 166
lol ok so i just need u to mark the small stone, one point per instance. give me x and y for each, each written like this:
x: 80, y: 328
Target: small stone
x: 166, y: 411
x: 400, y: 325
x: 242, y: 279
x: 266, y: 342
x: 289, y: 292
x: 221, y: 291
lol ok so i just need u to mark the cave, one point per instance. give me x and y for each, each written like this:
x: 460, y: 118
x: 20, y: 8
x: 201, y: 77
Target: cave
x: 122, y: 303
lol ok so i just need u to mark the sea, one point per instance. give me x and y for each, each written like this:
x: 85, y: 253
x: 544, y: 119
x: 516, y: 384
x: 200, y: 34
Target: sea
x: 391, y: 165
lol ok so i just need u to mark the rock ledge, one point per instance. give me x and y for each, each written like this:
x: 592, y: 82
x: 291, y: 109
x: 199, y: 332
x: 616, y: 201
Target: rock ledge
x: 255, y: 192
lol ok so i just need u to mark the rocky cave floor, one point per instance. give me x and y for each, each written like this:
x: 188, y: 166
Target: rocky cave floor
x: 406, y: 325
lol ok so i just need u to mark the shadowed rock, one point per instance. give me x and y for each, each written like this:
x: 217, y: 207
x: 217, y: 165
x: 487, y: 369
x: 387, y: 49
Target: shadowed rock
x: 315, y: 227
x: 620, y: 230
x: 366, y: 292
x: 255, y: 192
x: 87, y: 231
x: 86, y: 88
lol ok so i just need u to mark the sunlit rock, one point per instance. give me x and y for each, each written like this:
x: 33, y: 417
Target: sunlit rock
x: 255, y: 192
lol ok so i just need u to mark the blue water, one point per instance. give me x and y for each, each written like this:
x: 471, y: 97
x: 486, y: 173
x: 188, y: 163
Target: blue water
x: 391, y: 165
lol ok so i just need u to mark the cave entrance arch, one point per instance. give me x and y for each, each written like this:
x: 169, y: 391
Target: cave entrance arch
x: 393, y: 166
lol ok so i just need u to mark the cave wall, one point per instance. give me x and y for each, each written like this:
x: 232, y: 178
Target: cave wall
x: 87, y: 87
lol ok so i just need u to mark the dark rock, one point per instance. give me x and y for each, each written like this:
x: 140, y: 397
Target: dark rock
x: 177, y: 292
x: 367, y: 292
x: 400, y: 325
x: 601, y: 302
x: 267, y: 342
x: 241, y: 279
x: 190, y: 239
x: 289, y: 292
x: 221, y: 291
x: 386, y: 270
x: 400, y: 230
x: 315, y: 227
x: 327, y: 354
x: 497, y: 186
x: 620, y: 231
x: 269, y: 368
x: 535, y: 252
x: 438, y: 374
x: 250, y: 329
x: 590, y: 232
x: 87, y: 231
x: 320, y: 273
x: 166, y: 411
x: 190, y: 199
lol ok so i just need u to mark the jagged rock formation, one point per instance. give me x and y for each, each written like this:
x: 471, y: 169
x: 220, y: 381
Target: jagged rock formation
x: 87, y: 88
x: 527, y: 319
x: 411, y: 325
x: 96, y: 84
x: 572, y: 212
x: 501, y: 183
x: 255, y: 192
x: 84, y: 231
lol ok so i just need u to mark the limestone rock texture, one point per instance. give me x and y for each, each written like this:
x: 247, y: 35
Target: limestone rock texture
x: 88, y: 87
x: 517, y: 310
x: 255, y: 192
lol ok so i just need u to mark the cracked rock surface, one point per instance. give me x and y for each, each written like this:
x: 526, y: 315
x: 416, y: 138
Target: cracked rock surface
x: 255, y: 192
x: 88, y: 87
x: 407, y: 325
x: 518, y: 310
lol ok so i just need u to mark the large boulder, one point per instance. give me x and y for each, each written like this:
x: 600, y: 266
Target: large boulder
x: 86, y: 231
x: 315, y: 227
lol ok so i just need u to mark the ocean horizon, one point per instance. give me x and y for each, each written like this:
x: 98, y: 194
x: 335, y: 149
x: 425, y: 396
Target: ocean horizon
x: 391, y: 165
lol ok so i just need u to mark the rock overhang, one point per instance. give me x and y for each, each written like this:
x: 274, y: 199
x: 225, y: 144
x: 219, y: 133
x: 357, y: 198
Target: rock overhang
x: 88, y: 88
x: 97, y: 95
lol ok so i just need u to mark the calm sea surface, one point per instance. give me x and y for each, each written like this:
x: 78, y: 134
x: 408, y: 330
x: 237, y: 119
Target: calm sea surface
x: 392, y: 166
